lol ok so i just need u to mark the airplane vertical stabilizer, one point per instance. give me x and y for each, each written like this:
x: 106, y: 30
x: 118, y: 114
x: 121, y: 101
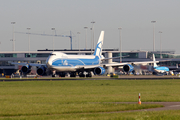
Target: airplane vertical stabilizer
x: 155, y: 65
x: 98, y: 50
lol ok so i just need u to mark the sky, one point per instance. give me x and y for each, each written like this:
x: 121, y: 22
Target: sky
x: 133, y: 16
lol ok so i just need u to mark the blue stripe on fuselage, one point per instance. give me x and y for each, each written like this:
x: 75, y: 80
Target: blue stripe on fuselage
x: 75, y: 62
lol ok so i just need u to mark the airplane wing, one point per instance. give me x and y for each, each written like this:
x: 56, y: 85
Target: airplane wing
x: 113, y: 64
x: 87, y: 66
x: 121, y: 64
x: 31, y: 64
x: 112, y: 57
x: 26, y: 67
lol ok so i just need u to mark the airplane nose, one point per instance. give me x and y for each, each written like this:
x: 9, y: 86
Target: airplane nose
x: 49, y: 62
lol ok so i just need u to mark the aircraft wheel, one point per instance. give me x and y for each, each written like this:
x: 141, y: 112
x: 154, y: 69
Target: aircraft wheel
x: 73, y: 74
x: 154, y: 73
x: 81, y: 75
x: 62, y: 74
x: 89, y: 75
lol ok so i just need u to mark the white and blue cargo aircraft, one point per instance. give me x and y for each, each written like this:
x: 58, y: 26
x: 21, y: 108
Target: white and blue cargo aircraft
x: 61, y: 63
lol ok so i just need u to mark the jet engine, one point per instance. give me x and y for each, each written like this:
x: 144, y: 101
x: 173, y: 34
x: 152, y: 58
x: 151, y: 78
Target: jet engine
x: 99, y: 70
x: 128, y: 68
x: 41, y: 70
x: 26, y: 69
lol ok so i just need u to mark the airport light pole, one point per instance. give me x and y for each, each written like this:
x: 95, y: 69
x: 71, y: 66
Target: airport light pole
x: 12, y: 44
x: 78, y: 40
x: 86, y: 37
x: 153, y: 34
x: 53, y: 29
x: 120, y: 45
x: 93, y: 33
x: 28, y: 40
x: 160, y: 45
x: 91, y: 40
x: 13, y: 40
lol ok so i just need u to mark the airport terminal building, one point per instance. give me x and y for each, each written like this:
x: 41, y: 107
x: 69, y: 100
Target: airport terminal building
x: 40, y: 56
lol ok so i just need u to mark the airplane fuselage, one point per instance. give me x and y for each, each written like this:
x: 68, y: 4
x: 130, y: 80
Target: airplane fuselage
x: 62, y: 62
x: 161, y: 69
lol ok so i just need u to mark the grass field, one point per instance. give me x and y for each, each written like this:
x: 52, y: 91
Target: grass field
x: 86, y: 99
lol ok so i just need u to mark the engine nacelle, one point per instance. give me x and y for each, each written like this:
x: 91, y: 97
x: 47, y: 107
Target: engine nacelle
x: 99, y: 70
x: 26, y: 69
x: 128, y: 68
x: 41, y: 70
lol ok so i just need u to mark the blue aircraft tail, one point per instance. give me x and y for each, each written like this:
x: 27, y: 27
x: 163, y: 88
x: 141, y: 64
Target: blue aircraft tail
x: 98, y: 50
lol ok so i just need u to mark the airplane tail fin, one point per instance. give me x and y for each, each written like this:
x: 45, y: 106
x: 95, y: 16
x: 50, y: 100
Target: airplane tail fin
x: 155, y: 65
x: 98, y: 50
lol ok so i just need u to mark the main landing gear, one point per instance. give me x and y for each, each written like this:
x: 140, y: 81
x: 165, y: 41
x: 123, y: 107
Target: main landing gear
x: 81, y: 74
x: 54, y: 74
x: 73, y: 74
x: 89, y: 74
x: 62, y: 74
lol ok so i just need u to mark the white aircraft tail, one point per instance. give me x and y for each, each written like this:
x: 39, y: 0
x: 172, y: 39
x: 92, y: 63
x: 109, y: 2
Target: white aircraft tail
x: 154, y: 59
x: 98, y: 50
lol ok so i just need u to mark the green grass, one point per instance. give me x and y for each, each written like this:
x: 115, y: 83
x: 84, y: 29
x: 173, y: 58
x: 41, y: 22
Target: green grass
x: 86, y: 99
x: 143, y: 115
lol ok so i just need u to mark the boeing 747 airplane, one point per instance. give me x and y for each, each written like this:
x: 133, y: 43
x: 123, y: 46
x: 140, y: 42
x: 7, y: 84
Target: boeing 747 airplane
x: 61, y: 63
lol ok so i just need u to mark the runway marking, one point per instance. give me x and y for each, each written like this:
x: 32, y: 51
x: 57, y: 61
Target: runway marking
x: 175, y: 106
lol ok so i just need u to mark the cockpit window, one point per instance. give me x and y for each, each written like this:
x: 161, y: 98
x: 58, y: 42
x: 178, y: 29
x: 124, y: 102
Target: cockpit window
x: 53, y: 54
